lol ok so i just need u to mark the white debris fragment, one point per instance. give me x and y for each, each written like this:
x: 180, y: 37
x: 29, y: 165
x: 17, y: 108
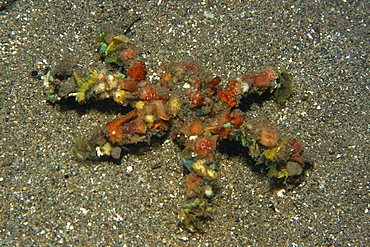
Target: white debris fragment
x: 129, y: 169
x: 280, y: 193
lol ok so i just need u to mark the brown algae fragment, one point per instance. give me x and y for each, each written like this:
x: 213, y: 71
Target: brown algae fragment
x: 284, y: 89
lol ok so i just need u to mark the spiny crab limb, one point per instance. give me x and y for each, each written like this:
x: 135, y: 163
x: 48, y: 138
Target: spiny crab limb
x: 114, y: 131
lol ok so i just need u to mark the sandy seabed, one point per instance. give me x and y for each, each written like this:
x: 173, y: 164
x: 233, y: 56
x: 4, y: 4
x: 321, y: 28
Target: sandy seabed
x: 48, y: 197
